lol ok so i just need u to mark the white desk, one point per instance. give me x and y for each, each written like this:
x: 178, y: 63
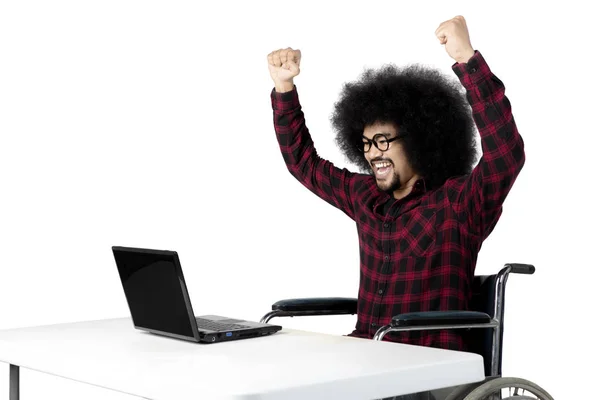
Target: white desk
x: 290, y: 364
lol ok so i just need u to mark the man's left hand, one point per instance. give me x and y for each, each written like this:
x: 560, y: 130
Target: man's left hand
x: 455, y: 35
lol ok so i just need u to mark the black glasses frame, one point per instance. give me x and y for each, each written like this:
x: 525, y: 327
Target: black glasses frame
x: 365, y: 147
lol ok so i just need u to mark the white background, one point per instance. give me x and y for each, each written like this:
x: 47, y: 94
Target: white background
x: 149, y: 124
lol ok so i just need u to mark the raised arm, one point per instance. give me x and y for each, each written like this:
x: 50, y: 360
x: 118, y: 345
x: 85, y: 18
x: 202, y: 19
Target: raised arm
x: 320, y: 176
x: 480, y: 197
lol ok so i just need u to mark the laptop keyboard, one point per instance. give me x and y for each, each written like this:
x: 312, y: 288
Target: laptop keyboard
x: 218, y: 326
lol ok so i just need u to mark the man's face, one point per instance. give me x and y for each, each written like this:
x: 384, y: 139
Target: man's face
x: 391, y: 168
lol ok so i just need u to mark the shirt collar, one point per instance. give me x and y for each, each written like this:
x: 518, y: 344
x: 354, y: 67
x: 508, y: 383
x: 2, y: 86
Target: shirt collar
x: 419, y: 187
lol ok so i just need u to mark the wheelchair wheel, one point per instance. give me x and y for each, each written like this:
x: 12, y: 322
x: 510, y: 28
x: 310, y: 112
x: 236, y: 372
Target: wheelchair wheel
x: 506, y: 389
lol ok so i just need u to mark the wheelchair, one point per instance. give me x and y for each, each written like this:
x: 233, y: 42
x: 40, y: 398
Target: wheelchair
x: 485, y: 324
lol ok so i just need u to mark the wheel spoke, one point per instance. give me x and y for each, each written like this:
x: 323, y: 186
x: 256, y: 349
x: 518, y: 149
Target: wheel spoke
x: 508, y: 389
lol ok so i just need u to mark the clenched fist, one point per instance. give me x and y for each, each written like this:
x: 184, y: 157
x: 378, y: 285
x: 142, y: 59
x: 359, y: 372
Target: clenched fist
x: 284, y: 65
x: 455, y: 35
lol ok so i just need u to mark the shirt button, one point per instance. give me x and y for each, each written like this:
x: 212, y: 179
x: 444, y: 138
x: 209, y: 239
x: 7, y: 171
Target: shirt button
x: 386, y: 225
x: 373, y: 324
x: 380, y: 291
x: 473, y: 69
x: 386, y: 258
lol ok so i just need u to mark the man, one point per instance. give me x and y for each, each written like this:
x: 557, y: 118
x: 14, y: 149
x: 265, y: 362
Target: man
x: 422, y: 211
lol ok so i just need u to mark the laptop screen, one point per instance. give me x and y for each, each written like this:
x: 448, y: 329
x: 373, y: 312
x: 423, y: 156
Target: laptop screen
x: 153, y: 290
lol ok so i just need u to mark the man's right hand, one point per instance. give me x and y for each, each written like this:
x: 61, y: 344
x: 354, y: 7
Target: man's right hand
x: 284, y: 65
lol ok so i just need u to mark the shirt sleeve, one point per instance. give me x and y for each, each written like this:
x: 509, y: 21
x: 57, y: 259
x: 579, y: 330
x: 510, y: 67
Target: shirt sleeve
x: 482, y: 193
x: 332, y: 184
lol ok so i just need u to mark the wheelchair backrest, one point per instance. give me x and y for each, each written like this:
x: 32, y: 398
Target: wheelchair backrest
x: 480, y: 341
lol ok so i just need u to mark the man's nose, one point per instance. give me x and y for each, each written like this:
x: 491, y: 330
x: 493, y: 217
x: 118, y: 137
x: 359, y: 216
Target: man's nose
x: 374, y: 152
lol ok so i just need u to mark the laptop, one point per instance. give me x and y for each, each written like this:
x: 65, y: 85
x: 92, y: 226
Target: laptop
x: 159, y: 301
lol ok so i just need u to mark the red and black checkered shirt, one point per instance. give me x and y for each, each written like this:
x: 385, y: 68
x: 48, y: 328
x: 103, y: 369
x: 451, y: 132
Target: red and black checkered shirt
x: 420, y: 253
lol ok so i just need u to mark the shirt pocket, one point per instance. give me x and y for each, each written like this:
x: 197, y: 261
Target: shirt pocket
x: 416, y: 232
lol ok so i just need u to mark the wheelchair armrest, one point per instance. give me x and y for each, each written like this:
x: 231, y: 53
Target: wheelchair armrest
x: 430, y: 318
x: 312, y: 306
x: 331, y: 305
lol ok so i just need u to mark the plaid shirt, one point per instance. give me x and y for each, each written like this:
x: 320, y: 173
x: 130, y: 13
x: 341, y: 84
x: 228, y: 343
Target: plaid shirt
x: 417, y: 253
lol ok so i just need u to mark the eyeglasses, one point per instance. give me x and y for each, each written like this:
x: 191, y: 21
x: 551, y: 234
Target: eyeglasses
x: 380, y: 141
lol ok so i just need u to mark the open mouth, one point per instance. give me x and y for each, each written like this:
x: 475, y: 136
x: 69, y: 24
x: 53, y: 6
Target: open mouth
x: 382, y: 169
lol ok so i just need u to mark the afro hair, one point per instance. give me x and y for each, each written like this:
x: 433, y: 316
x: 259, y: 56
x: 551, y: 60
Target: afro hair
x: 430, y: 111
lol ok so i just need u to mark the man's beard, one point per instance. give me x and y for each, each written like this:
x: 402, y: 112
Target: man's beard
x: 392, y: 186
